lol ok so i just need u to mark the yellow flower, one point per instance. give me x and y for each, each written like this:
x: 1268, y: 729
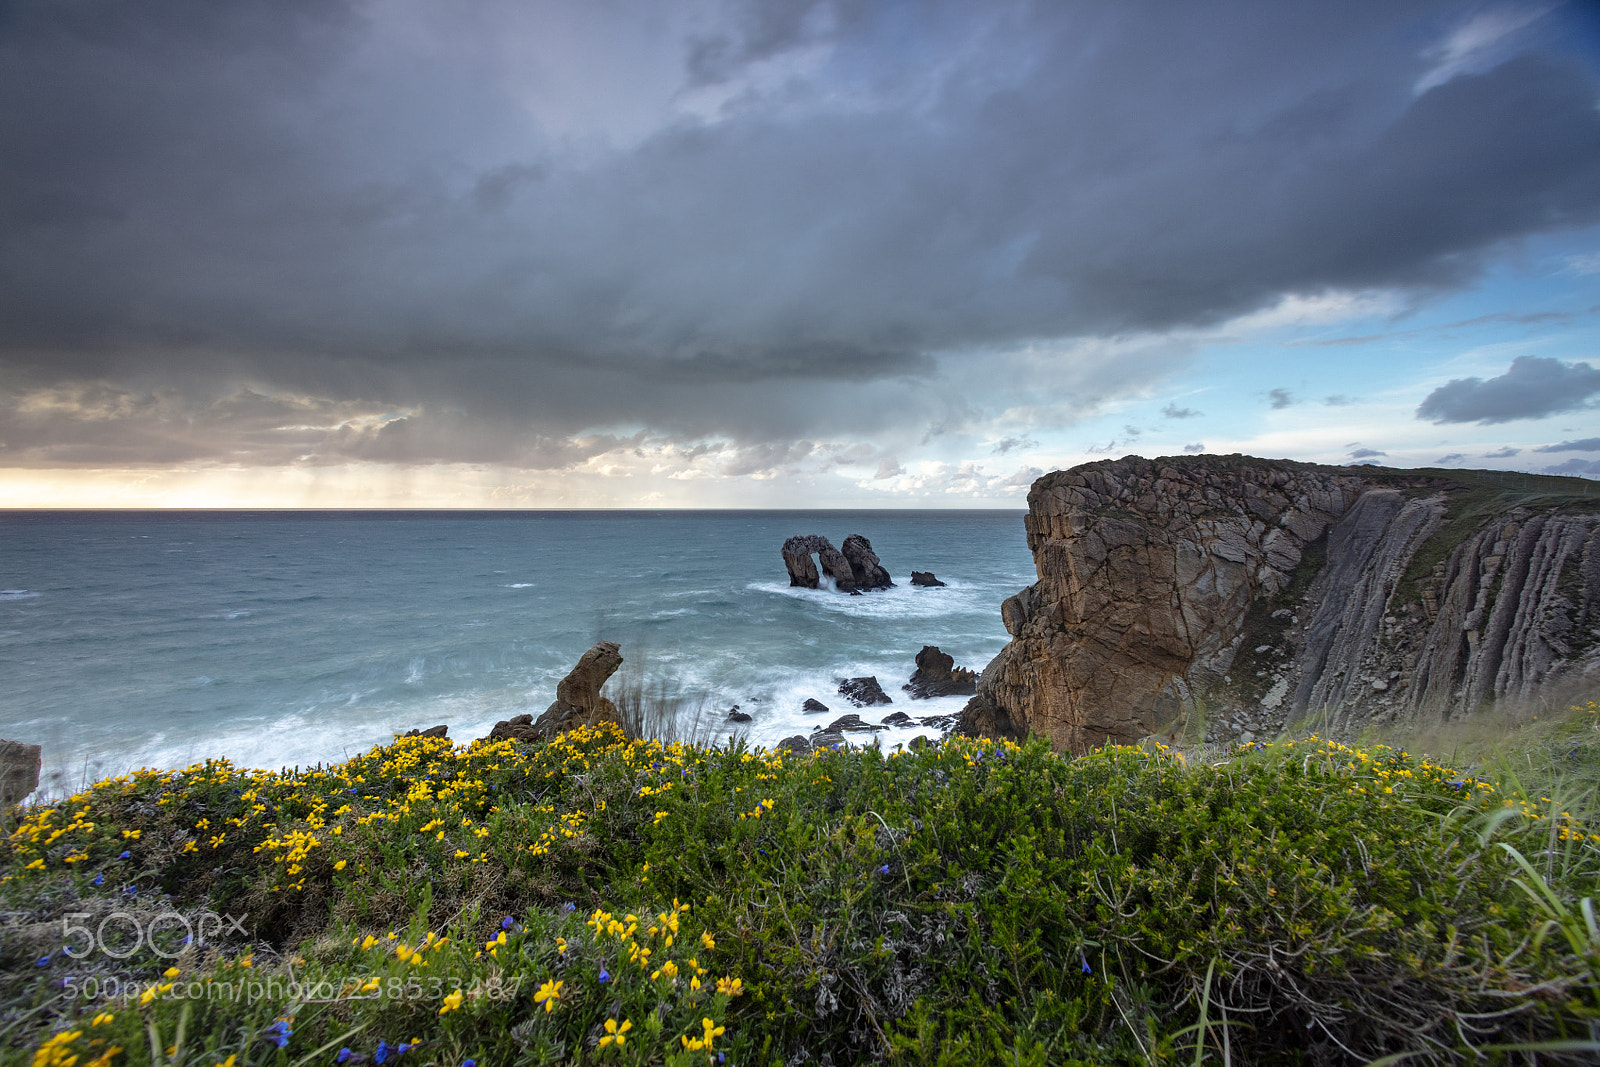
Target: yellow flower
x: 614, y: 1033
x: 659, y: 816
x: 548, y: 994
x: 340, y: 865
x: 229, y: 1062
x: 709, y: 941
x: 103, y: 1017
x: 561, y: 945
x: 731, y: 986
x: 451, y: 1002
x: 170, y: 972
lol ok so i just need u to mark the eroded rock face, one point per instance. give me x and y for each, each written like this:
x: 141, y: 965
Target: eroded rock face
x: 853, y: 569
x: 19, y: 771
x: 1277, y: 591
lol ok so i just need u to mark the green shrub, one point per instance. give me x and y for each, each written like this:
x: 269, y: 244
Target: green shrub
x: 971, y: 902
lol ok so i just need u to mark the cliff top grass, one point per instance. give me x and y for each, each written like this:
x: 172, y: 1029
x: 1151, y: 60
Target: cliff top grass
x: 600, y: 900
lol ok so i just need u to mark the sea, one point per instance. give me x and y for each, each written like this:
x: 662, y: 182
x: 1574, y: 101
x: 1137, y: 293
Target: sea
x: 284, y: 639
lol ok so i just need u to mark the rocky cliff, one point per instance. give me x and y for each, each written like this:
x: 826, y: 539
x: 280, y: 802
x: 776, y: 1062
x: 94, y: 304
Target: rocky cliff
x: 1253, y: 593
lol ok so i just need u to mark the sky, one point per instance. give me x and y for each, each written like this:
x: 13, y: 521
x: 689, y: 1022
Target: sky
x: 793, y: 253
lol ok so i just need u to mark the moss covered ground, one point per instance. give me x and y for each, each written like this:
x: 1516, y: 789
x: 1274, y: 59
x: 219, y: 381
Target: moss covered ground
x: 600, y: 900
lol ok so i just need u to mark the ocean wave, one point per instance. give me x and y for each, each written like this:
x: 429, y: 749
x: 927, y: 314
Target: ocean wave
x: 16, y: 594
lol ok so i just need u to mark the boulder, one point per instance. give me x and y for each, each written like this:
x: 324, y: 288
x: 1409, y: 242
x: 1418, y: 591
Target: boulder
x: 863, y: 692
x: 19, y: 771
x: 938, y: 676
x: 516, y: 728
x: 432, y: 731
x: 797, y: 744
x: 578, y: 701
x: 982, y: 717
x: 735, y: 715
x: 899, y: 718
x: 925, y: 578
x: 813, y: 706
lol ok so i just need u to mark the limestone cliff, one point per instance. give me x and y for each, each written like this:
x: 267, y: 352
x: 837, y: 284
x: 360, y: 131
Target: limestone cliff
x: 1261, y: 592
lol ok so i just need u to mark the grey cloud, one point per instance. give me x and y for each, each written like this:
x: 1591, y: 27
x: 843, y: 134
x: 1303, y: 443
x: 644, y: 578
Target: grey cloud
x: 1012, y: 444
x: 1364, y: 453
x: 1132, y: 431
x: 1024, y: 476
x: 1532, y: 388
x: 1581, y: 467
x: 889, y: 468
x: 1280, y: 398
x: 1173, y: 411
x: 1338, y: 400
x: 1196, y: 447
x: 321, y: 199
x: 1502, y: 453
x: 1588, y: 444
x: 1451, y: 457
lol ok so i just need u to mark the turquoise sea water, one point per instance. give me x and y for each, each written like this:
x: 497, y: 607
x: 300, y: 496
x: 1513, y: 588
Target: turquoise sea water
x: 282, y: 638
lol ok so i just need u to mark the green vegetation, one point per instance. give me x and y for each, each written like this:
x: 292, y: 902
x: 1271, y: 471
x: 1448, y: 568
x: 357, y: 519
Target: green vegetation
x: 596, y: 900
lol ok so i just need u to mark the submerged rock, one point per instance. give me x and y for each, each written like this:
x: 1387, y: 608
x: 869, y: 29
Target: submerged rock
x: 863, y: 692
x: 899, y: 718
x: 735, y: 715
x: 813, y: 706
x: 853, y: 723
x: 924, y: 578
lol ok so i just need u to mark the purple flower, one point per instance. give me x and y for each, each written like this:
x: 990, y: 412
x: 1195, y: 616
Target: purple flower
x: 130, y: 890
x: 507, y: 923
x: 402, y: 1048
x: 568, y: 908
x: 884, y: 869
x: 278, y: 1033
x: 44, y: 961
x: 124, y: 855
x: 343, y: 1055
x: 469, y: 1063
x: 382, y: 1053
x: 99, y: 879
x: 605, y: 975
x: 1085, y: 959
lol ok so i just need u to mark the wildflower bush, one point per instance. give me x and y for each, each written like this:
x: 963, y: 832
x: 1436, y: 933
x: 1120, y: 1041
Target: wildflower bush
x: 600, y: 900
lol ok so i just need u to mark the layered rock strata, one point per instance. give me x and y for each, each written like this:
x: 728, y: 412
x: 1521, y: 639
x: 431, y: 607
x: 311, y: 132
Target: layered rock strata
x: 1262, y: 592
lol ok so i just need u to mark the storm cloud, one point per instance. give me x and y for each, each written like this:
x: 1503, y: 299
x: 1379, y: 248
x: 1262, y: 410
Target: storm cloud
x: 321, y: 230
x: 1532, y: 388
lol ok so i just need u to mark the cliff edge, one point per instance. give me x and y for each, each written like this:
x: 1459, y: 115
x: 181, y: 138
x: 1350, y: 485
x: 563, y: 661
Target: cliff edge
x: 1259, y: 592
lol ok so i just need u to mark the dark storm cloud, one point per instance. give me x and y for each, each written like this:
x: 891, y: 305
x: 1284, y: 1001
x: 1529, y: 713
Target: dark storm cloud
x: 770, y: 223
x: 1532, y: 388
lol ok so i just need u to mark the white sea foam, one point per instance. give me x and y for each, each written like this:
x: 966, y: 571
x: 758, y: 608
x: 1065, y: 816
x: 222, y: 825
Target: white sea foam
x: 16, y: 594
x: 517, y: 585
